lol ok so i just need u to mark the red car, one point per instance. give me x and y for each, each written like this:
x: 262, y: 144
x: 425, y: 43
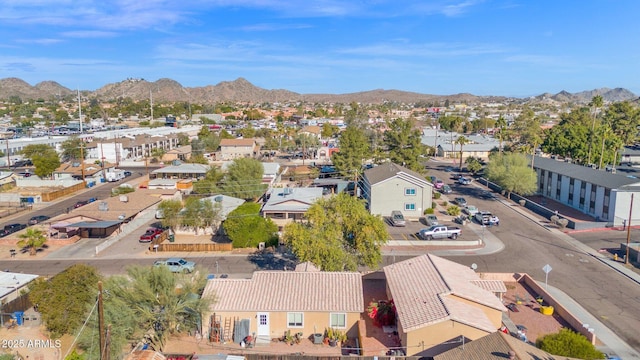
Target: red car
x: 150, y: 234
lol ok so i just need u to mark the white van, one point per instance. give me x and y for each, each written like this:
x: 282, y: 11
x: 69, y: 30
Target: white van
x: 397, y: 219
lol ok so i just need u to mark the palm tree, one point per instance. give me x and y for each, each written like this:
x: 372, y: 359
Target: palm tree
x: 596, y: 103
x: 33, y: 238
x: 462, y: 141
x: 501, y: 124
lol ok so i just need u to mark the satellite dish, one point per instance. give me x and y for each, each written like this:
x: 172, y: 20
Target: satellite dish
x: 474, y: 266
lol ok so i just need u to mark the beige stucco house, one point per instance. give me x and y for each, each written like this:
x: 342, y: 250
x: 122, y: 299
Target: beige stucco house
x: 285, y: 205
x: 238, y: 148
x: 388, y: 187
x: 439, y: 301
x: 273, y: 302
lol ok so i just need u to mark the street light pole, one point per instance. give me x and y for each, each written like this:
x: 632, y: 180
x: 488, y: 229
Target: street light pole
x: 626, y: 256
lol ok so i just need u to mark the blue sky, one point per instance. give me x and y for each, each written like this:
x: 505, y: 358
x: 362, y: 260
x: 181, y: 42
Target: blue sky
x: 510, y: 47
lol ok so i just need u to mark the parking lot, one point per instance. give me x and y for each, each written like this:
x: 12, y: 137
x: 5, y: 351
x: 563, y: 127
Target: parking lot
x: 412, y: 227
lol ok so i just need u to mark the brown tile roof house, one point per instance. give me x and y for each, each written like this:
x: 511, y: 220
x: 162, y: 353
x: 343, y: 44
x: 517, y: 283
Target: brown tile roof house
x: 437, y: 300
x: 497, y: 346
x: 75, y: 169
x: 305, y: 302
x: 129, y: 205
x: 237, y: 148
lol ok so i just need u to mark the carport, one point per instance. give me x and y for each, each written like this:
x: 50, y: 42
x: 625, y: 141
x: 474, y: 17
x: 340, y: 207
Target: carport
x: 96, y: 229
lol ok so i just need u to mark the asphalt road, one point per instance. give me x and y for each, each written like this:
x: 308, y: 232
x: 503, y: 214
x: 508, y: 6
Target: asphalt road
x: 605, y: 293
x: 102, y: 191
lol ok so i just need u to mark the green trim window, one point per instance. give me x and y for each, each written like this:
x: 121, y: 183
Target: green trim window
x: 338, y: 320
x: 295, y: 319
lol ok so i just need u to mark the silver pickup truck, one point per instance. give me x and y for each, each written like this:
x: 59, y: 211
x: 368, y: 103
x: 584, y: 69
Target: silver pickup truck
x: 440, y: 232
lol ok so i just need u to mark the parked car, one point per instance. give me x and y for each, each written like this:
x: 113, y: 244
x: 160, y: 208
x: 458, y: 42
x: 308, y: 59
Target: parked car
x: 24, y: 174
x: 464, y: 181
x: 38, y: 219
x: 456, y: 176
x: 440, y: 232
x: 446, y: 189
x: 177, y: 265
x: 460, y: 201
x: 487, y: 218
x: 438, y: 184
x: 127, y: 173
x: 431, y: 220
x: 11, y: 228
x: 471, y: 210
x: 84, y: 202
x: 150, y: 234
x: 397, y: 219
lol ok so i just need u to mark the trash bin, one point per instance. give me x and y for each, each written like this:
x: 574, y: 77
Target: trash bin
x: 19, y: 315
x: 172, y: 238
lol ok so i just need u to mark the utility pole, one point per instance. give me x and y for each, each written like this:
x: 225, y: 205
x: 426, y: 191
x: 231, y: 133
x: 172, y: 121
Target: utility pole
x: 102, y: 159
x: 8, y: 157
x: 103, y: 340
x: 626, y: 256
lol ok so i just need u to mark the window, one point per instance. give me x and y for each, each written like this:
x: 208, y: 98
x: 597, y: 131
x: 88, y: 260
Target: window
x: 410, y: 207
x: 338, y: 320
x: 410, y: 191
x: 294, y: 319
x: 262, y: 319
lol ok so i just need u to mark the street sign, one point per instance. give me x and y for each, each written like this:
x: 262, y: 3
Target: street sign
x: 547, y: 269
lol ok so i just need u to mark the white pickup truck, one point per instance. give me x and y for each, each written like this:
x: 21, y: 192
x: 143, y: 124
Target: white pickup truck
x: 440, y: 232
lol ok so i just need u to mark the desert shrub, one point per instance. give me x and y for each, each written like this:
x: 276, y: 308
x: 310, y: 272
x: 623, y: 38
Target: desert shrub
x: 444, y: 203
x: 429, y: 211
x: 453, y: 210
x: 570, y: 344
x: 437, y: 195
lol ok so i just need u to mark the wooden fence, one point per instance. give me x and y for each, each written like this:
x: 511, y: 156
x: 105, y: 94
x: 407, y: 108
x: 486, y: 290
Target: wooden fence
x: 52, y: 195
x: 160, y: 244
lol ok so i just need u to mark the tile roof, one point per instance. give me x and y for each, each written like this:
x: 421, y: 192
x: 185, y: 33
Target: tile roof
x: 237, y: 142
x: 288, y: 291
x: 389, y: 170
x: 584, y: 173
x: 426, y: 289
x: 496, y: 346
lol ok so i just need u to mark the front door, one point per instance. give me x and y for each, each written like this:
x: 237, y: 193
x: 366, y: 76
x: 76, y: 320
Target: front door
x: 263, y: 326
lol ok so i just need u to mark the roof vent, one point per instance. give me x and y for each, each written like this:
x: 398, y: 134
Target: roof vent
x: 288, y: 191
x: 121, y: 216
x: 75, y: 164
x: 103, y: 206
x: 124, y: 198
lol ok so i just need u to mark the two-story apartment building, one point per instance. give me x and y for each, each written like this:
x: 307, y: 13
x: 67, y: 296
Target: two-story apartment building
x: 238, y: 148
x: 605, y: 195
x: 388, y: 187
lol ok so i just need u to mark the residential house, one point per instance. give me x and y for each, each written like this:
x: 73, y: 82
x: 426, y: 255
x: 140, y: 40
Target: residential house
x: 285, y: 205
x: 223, y: 205
x: 182, y: 153
x: 498, y: 346
x: 602, y: 194
x: 438, y: 301
x: 77, y: 169
x: 237, y: 148
x: 388, y: 187
x: 271, y: 303
x: 312, y: 130
x: 12, y: 284
x: 181, y: 171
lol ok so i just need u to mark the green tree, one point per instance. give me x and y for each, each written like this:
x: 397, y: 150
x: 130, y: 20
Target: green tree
x: 192, y: 214
x: 329, y: 130
x: 570, y: 137
x: 512, y: 173
x: 210, y: 183
x: 246, y: 228
x: 404, y: 143
x: 149, y: 302
x: 170, y: 210
x: 243, y: 179
x: 501, y: 125
x: 72, y: 356
x: 339, y: 235
x: 624, y: 119
x: 72, y: 149
x: 44, y: 158
x: 33, y: 238
x: 211, y: 213
x: 473, y: 164
x: 353, y: 150
x: 63, y: 300
x: 570, y: 344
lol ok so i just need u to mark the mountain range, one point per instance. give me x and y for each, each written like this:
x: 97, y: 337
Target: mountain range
x: 241, y: 90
